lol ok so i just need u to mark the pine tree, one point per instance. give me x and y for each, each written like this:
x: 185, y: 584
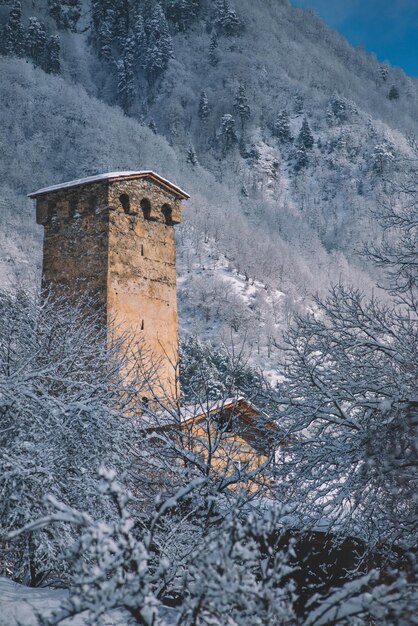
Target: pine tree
x: 227, y: 131
x: 73, y: 14
x: 182, y: 12
x: 104, y: 41
x: 140, y: 41
x: 241, y: 106
x: 56, y: 12
x: 121, y: 20
x: 383, y: 72
x: 393, y: 93
x: 14, y: 41
x: 126, y: 77
x: 53, y: 50
x: 66, y: 14
x: 203, y: 107
x: 226, y: 19
x: 192, y: 156
x: 36, y: 42
x: 159, y: 48
x: 282, y: 127
x: 102, y: 19
x: 213, y: 55
x: 301, y: 158
x: 305, y: 137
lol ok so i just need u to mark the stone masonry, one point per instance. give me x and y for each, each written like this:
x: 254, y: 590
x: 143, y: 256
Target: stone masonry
x: 111, y: 237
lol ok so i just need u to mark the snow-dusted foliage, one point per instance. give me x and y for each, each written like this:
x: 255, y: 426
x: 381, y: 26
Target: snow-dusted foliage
x: 350, y: 402
x: 237, y: 569
x: 62, y: 416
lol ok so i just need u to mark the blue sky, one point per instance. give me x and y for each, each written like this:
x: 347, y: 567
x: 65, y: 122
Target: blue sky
x: 389, y: 28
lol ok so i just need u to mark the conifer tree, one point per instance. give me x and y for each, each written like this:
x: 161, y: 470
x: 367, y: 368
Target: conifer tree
x: 305, y: 137
x: 213, y: 56
x: 241, y: 106
x: 383, y: 72
x: 227, y: 131
x: 126, y: 77
x: 102, y: 19
x: 226, y: 19
x: 301, y: 158
x: 56, y: 12
x: 282, y: 127
x: 182, y: 12
x: 104, y: 41
x: 191, y: 156
x: 14, y: 42
x: 53, y: 65
x: 36, y: 42
x: 140, y: 40
x: 73, y: 14
x: 203, y: 107
x: 159, y: 48
x: 66, y: 14
x: 121, y: 20
x: 393, y: 93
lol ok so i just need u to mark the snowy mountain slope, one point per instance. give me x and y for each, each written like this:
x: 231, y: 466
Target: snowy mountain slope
x: 276, y: 216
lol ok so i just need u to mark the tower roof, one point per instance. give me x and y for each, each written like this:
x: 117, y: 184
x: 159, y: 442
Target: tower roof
x: 110, y: 177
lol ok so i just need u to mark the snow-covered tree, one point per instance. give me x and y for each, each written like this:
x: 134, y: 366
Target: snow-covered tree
x: 66, y: 14
x: 126, y: 76
x: 241, y: 106
x: 191, y: 156
x: 393, y: 93
x: 382, y: 157
x: 62, y: 415
x: 36, y: 42
x: 281, y: 128
x: 53, y: 49
x: 227, y: 132
x: 182, y: 12
x: 227, y: 21
x: 352, y: 410
x: 305, y: 138
x: 140, y: 41
x: 238, y: 567
x: 384, y: 72
x: 14, y: 41
x: 213, y: 55
x: 159, y: 44
x: 203, y: 107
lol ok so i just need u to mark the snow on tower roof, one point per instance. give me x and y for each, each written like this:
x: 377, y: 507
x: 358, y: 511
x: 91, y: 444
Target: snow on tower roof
x: 112, y: 176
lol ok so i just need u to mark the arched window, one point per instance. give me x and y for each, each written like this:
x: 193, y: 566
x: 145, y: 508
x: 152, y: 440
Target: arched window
x: 168, y: 213
x: 125, y: 202
x: 146, y: 208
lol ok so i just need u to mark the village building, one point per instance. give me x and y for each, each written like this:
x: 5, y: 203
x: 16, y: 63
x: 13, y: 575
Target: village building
x: 110, y: 238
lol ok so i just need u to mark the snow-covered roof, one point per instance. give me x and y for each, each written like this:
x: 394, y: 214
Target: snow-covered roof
x: 112, y: 176
x: 201, y: 410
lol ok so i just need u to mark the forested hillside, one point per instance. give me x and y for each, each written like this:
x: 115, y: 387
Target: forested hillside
x: 282, y: 133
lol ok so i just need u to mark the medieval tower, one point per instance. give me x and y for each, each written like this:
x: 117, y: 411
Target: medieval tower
x: 112, y: 237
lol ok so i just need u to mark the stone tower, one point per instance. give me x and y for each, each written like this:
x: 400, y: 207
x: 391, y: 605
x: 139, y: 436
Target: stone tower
x: 112, y: 237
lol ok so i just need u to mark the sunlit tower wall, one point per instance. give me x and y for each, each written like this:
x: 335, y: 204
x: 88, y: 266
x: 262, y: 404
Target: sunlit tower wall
x: 111, y: 238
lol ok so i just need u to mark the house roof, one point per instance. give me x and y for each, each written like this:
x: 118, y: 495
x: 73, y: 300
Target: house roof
x: 255, y: 424
x: 111, y: 177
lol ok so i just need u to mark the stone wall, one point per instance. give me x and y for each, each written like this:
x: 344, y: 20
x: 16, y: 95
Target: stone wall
x: 114, y: 241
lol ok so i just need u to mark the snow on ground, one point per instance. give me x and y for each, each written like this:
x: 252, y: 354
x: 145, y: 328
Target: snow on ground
x: 19, y: 606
